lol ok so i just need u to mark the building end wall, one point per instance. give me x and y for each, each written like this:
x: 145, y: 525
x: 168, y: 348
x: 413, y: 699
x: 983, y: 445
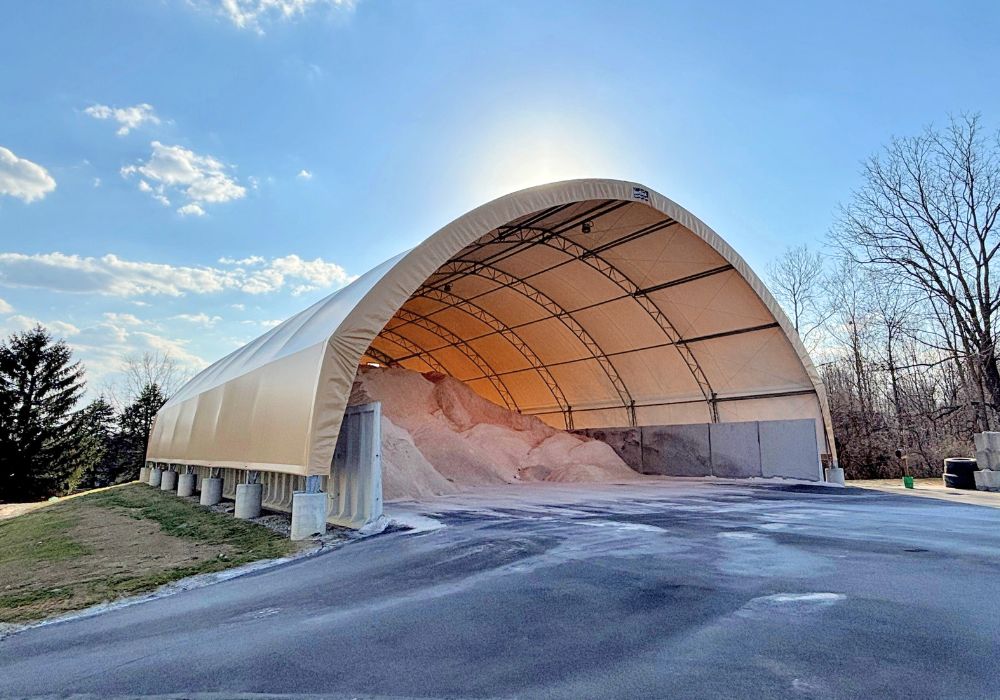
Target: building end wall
x: 738, y: 450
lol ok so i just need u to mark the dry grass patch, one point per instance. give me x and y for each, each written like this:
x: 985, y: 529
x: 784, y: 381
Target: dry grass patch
x: 117, y: 542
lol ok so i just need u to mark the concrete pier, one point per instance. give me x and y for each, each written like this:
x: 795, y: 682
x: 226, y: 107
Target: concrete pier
x: 155, y: 476
x: 835, y: 475
x: 248, y: 498
x: 211, y: 491
x: 144, y: 474
x: 168, y: 481
x: 185, y: 484
x: 308, y: 514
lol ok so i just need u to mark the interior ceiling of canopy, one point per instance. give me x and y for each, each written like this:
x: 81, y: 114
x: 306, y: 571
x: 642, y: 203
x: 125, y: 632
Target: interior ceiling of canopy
x: 593, y: 314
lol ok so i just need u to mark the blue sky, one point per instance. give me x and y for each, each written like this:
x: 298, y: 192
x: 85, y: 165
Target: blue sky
x: 176, y: 175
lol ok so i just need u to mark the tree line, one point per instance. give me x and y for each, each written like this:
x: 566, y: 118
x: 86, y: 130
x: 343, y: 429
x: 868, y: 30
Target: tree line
x: 899, y: 308
x: 50, y: 442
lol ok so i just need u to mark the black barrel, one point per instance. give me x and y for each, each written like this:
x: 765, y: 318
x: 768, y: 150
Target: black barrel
x: 959, y: 473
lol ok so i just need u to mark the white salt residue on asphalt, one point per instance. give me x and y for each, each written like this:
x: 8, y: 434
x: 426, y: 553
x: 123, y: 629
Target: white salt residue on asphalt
x: 619, y: 525
x: 757, y: 555
x: 413, y: 522
x: 790, y: 603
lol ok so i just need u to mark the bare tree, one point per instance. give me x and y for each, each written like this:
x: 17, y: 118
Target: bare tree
x: 926, y: 215
x: 797, y: 280
x: 145, y: 370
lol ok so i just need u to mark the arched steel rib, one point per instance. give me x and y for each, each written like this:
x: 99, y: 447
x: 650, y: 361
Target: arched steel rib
x: 537, y: 296
x: 510, y: 336
x: 380, y: 356
x: 466, y: 349
x: 414, y: 350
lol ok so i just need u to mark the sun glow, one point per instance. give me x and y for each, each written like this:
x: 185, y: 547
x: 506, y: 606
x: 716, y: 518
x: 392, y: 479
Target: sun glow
x: 528, y: 151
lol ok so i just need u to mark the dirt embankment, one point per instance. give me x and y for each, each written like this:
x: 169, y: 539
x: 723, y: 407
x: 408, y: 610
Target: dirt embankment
x: 117, y: 542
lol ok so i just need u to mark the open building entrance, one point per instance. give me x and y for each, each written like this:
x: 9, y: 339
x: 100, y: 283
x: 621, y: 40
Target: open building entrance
x: 606, y: 319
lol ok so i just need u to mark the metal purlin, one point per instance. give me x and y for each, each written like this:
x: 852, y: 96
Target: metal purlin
x: 466, y: 349
x: 528, y: 233
x: 594, y: 260
x: 509, y: 281
x: 381, y: 357
x: 511, y: 337
x: 414, y: 350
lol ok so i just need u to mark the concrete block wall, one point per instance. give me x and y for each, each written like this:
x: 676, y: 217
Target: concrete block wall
x: 987, y: 461
x: 775, y: 448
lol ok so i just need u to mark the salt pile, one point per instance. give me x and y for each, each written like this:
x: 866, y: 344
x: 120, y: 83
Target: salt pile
x: 439, y: 436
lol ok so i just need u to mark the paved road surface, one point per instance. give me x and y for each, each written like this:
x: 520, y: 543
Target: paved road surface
x: 675, y: 590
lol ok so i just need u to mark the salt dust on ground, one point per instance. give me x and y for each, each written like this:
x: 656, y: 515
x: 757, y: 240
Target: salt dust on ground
x: 439, y: 436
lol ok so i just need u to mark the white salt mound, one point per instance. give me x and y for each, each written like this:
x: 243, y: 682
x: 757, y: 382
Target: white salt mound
x: 439, y: 436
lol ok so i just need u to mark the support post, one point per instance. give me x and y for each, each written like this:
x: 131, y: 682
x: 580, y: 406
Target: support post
x: 248, y: 501
x: 835, y: 475
x: 185, y: 483
x: 155, y: 475
x: 168, y: 481
x: 211, y: 490
x: 308, y: 510
x: 144, y: 473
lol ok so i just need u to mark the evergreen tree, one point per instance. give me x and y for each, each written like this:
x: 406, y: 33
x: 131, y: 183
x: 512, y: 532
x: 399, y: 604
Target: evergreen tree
x: 39, y: 387
x: 96, y: 446
x: 135, y: 424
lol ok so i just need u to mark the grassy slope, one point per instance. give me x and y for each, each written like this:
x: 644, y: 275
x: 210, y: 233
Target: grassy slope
x: 47, y: 538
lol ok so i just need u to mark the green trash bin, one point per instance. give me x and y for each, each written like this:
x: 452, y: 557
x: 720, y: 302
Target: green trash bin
x: 908, y: 482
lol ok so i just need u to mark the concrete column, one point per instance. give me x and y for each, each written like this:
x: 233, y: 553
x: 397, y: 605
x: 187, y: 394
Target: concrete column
x: 211, y: 490
x: 155, y: 476
x: 248, y: 498
x: 185, y: 484
x: 980, y: 477
x: 835, y: 475
x: 991, y: 480
x: 308, y: 514
x: 168, y: 482
x: 144, y: 474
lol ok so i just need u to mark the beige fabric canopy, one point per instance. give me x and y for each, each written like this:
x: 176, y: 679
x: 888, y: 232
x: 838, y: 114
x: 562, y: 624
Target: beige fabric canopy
x: 590, y: 303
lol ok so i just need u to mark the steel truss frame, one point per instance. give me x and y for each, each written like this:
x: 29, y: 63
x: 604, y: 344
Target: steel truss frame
x: 505, y: 331
x: 523, y: 236
x: 462, y: 346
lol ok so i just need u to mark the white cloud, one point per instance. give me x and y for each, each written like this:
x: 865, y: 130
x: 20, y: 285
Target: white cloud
x: 123, y: 319
x: 104, y: 346
x: 128, y: 118
x: 59, y: 329
x: 177, y: 170
x: 113, y: 276
x: 5, y: 308
x: 191, y: 210
x: 21, y: 178
x: 248, y: 261
x: 304, y: 175
x: 97, y: 182
x: 251, y: 14
x: 201, y: 319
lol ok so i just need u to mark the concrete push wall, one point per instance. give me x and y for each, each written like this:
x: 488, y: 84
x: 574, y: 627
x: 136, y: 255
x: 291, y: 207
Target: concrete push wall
x: 776, y: 448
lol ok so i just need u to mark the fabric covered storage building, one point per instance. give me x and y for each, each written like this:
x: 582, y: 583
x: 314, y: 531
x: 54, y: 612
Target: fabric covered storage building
x: 594, y: 304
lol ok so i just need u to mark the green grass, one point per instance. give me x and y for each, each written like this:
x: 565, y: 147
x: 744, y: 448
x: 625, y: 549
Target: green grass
x: 37, y: 537
x: 179, y: 518
x: 55, y: 569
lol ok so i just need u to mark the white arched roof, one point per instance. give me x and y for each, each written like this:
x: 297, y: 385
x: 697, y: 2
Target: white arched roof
x: 591, y: 303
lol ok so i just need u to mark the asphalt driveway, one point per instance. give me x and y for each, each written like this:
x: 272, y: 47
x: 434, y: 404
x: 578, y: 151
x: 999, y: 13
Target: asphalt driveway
x: 669, y: 589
